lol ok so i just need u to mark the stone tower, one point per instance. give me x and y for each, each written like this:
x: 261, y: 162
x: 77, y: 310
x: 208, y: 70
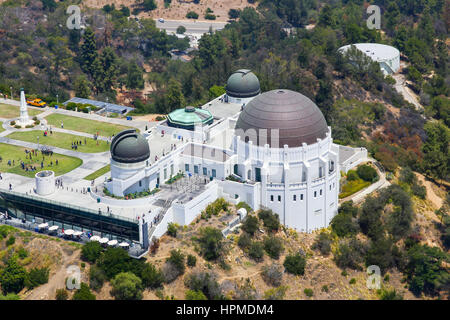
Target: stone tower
x: 24, y: 119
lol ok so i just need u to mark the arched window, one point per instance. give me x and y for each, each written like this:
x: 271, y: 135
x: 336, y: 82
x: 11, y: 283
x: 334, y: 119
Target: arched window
x: 236, y: 169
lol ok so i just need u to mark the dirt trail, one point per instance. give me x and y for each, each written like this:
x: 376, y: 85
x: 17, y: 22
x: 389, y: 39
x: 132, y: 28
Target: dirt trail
x: 431, y: 195
x: 56, y: 280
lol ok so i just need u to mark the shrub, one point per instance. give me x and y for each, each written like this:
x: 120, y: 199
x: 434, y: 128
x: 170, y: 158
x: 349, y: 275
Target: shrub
x: 367, y: 173
x: 270, y: 220
x: 308, y: 292
x: 191, y: 260
x: 256, y: 251
x: 192, y: 15
x: 22, y: 253
x: 295, y: 264
x: 210, y: 16
x: 324, y: 288
x: 177, y: 259
x: 323, y: 243
x: 352, y: 175
x: 91, y: 251
x: 244, y: 241
x: 350, y: 254
x: 96, y: 278
x: 12, y: 277
x: 17, y: 126
x: 275, y: 293
x: 181, y: 29
x: 13, y: 123
x: 61, y: 294
x: 195, y: 295
x: 84, y: 293
x: 352, y: 281
x: 11, y: 240
x: 273, y: 247
x: 126, y: 286
x: 250, y: 225
x: 419, y: 190
x: 205, y: 282
x: 211, y: 243
x: 343, y: 224
x: 114, y: 261
x: 172, y: 229
x: 389, y: 295
x: 272, y: 275
x: 152, y: 277
x: 37, y: 277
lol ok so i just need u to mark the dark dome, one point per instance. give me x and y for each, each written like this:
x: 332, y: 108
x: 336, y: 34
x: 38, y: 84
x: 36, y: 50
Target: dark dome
x: 298, y: 119
x: 129, y: 146
x: 243, y: 84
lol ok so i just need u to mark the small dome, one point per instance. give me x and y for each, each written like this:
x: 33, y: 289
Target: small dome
x: 187, y: 118
x: 243, y: 84
x: 297, y: 118
x: 129, y: 146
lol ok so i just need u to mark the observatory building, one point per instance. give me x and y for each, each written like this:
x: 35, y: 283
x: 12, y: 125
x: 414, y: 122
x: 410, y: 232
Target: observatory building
x: 388, y: 57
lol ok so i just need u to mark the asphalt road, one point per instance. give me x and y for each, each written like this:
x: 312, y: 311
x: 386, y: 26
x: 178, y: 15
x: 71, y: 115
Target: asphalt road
x: 192, y: 26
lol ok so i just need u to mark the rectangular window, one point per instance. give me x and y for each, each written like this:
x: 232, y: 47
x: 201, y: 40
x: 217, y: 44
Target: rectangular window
x: 295, y: 197
x: 140, y: 183
x: 196, y: 169
x: 330, y: 186
x: 213, y: 172
x: 320, y: 191
x: 165, y: 173
x: 205, y: 171
x: 271, y: 198
x: 315, y: 194
x: 186, y: 167
x: 301, y: 197
x: 279, y: 198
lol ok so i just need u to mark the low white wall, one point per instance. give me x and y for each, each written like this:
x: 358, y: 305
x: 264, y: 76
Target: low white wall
x: 161, y: 228
x: 185, y: 213
x: 359, y: 157
x: 248, y: 193
x: 125, y: 203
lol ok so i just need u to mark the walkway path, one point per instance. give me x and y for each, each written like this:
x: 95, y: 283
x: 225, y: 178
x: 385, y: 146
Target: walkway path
x: 381, y: 183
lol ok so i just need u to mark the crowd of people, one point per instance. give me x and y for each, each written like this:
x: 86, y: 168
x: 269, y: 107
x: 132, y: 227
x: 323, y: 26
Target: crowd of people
x: 29, y: 155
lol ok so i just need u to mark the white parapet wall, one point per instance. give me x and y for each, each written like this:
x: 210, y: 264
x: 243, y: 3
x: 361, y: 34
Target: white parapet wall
x: 359, y: 156
x: 185, y: 213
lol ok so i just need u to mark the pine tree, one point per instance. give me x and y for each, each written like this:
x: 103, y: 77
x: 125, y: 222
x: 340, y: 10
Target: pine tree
x: 88, y: 52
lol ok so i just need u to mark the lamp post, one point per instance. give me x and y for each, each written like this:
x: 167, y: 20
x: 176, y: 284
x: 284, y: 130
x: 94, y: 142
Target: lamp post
x: 11, y: 92
x: 37, y: 141
x: 57, y: 101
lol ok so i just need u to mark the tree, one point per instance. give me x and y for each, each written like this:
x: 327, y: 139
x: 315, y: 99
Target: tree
x: 114, y: 261
x: 295, y: 264
x: 343, y: 224
x: 135, y: 79
x: 149, y: 5
x: 126, y: 286
x: 211, y: 243
x: 256, y: 251
x: 191, y: 260
x: 175, y: 97
x: 435, y: 149
x: 250, y: 225
x: 181, y: 29
x: 177, y: 259
x: 350, y: 254
x: 12, y: 277
x: 234, y: 13
x: 91, y: 251
x: 205, y: 282
x: 37, y: 277
x: 273, y: 246
x: 192, y: 15
x: 270, y: 220
x: 244, y: 241
x: 88, y: 51
x: 82, y: 87
x: 109, y: 62
x: 152, y: 277
x: 84, y: 293
x: 367, y: 173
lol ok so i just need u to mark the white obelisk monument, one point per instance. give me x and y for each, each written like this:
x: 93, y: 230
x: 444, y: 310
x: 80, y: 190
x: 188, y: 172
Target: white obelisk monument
x: 24, y: 119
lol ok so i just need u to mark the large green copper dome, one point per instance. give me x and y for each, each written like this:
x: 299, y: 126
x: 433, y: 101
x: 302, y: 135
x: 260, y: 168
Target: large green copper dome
x: 187, y: 118
x: 243, y: 84
x: 129, y: 146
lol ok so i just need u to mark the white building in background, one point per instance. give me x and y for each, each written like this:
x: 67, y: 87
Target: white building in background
x: 276, y: 153
x: 388, y: 57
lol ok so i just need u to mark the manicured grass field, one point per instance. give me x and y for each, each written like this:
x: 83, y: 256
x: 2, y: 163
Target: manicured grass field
x: 352, y: 187
x: 10, y: 152
x: 61, y: 140
x: 98, y: 173
x: 85, y: 125
x: 8, y: 111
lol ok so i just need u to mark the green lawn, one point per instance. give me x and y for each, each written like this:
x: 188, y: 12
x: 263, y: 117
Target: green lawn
x: 8, y: 112
x: 10, y: 152
x: 98, y: 173
x: 85, y: 125
x: 352, y: 187
x: 61, y: 140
